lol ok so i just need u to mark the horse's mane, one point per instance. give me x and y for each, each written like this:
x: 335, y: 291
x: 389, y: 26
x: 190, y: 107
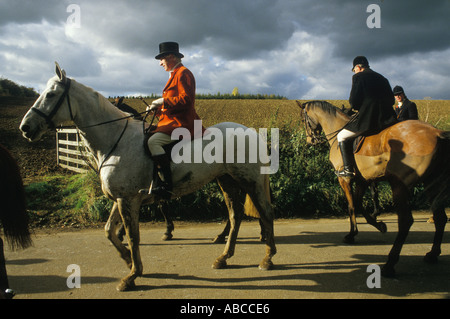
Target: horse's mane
x: 327, y: 107
x: 13, y: 214
x: 103, y: 102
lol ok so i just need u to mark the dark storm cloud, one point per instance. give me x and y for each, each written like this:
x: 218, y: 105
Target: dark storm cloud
x: 32, y: 11
x: 300, y: 49
x: 231, y: 29
x: 406, y: 26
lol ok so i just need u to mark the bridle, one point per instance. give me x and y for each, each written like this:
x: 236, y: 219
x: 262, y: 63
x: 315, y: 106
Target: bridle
x: 313, y: 132
x: 49, y: 118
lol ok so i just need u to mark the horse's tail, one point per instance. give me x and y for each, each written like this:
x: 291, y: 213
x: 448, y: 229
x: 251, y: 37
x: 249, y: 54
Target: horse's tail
x: 249, y: 207
x: 437, y: 182
x: 13, y: 214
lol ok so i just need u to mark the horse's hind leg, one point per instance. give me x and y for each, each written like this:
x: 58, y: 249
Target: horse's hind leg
x: 234, y: 199
x: 405, y: 220
x: 260, y: 198
x: 220, y: 239
x: 440, y: 219
x: 164, y: 209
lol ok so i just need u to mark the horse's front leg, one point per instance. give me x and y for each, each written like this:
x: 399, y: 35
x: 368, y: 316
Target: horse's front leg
x: 220, y: 239
x: 375, y: 199
x: 360, y: 189
x: 440, y: 219
x: 262, y: 237
x: 347, y: 188
x: 129, y: 211
x: 113, y: 222
x: 164, y: 209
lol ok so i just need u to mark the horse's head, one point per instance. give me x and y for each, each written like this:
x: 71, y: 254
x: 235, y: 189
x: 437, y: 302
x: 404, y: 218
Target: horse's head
x: 312, y: 126
x: 47, y: 112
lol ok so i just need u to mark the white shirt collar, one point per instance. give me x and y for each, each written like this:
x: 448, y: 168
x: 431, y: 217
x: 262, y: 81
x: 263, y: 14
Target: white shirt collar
x: 176, y: 66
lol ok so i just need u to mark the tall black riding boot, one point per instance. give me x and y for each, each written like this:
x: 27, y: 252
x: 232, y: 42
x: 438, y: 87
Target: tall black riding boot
x: 163, y: 184
x: 347, y: 157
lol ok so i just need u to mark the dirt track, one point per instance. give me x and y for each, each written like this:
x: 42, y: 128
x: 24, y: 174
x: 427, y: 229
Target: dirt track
x: 312, y: 262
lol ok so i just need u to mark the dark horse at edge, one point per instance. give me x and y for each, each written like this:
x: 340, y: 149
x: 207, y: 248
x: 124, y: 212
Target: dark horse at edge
x: 13, y: 215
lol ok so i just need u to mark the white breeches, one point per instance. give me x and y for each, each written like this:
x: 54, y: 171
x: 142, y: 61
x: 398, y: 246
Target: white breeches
x: 156, y: 142
x: 345, y: 134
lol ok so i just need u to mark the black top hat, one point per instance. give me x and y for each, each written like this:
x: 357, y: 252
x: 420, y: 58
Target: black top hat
x: 398, y: 90
x: 360, y: 60
x: 166, y: 48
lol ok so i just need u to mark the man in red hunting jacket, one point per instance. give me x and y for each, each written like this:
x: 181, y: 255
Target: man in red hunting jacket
x: 175, y: 109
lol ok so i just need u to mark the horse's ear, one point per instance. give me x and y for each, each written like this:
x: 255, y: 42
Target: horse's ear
x: 300, y: 105
x: 60, y: 73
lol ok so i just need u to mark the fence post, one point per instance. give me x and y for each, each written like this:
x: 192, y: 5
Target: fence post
x: 68, y: 153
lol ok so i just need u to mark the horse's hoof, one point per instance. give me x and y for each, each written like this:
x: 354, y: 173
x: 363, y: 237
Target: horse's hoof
x: 382, y: 227
x: 349, y: 239
x: 388, y: 272
x: 266, y: 265
x: 126, y: 285
x: 219, y: 264
x: 167, y: 237
x: 430, y: 258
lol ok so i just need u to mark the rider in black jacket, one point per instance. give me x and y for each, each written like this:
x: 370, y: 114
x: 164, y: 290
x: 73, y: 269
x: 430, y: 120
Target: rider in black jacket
x: 372, y: 97
x: 405, y: 109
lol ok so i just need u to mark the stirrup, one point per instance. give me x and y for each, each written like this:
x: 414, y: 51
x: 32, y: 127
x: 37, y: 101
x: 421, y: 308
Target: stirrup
x: 163, y: 190
x: 345, y: 172
x: 146, y: 191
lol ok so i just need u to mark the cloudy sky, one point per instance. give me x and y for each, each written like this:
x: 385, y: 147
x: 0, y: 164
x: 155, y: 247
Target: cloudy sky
x: 300, y: 49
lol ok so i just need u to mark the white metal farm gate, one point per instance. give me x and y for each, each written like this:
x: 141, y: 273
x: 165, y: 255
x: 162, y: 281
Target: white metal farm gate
x: 70, y: 151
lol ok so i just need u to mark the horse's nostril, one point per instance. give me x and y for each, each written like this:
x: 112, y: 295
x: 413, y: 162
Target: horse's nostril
x: 25, y: 128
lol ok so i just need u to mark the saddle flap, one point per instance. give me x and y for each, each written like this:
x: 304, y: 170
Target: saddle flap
x: 370, y: 145
x: 357, y: 143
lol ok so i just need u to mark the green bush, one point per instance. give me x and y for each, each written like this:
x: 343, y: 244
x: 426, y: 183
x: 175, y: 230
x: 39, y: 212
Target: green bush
x: 305, y: 184
x: 68, y: 198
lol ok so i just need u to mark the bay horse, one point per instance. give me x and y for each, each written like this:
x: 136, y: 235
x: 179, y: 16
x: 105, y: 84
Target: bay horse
x: 13, y: 214
x: 405, y: 154
x: 125, y: 168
